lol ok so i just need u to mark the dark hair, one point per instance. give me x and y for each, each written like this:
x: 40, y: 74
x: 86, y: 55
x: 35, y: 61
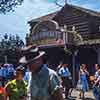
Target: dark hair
x: 99, y: 66
x: 21, y: 69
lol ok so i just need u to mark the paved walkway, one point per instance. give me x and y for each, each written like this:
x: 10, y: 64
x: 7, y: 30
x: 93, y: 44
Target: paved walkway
x: 88, y: 95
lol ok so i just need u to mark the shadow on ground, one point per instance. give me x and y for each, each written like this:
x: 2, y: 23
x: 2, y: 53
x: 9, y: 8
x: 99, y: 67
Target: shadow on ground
x: 75, y: 98
x: 89, y: 99
x: 71, y: 98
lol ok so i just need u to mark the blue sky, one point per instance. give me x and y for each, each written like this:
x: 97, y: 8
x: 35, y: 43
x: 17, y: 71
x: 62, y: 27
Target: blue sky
x: 16, y: 22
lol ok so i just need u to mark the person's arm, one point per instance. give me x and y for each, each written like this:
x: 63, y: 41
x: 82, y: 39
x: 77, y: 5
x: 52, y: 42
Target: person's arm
x: 80, y: 73
x: 97, y: 81
x: 68, y: 72
x: 55, y: 87
x: 7, y: 91
x: 60, y: 71
x: 58, y: 95
x: 95, y: 76
x: 87, y: 72
x: 5, y: 97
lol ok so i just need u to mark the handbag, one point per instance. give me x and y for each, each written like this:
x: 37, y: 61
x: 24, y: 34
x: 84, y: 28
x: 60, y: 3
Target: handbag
x: 79, y: 85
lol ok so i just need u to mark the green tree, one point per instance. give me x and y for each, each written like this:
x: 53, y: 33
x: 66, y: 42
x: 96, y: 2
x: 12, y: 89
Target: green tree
x: 9, y: 5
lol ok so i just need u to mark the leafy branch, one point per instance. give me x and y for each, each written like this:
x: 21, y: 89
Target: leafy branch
x: 9, y: 5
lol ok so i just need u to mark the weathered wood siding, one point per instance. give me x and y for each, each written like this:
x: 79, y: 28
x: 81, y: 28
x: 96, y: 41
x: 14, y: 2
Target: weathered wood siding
x: 86, y: 24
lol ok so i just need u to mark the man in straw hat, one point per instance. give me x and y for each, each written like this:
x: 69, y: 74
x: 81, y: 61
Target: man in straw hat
x: 44, y: 83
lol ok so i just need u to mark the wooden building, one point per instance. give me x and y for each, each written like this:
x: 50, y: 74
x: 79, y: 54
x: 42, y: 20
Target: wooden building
x: 86, y: 23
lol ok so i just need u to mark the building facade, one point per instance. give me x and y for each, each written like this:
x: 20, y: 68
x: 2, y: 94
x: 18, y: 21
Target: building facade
x: 86, y: 23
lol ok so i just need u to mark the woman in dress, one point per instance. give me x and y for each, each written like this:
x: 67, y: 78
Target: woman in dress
x: 83, y: 79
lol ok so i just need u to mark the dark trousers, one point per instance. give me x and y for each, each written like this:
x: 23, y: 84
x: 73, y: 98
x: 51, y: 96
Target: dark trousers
x: 3, y: 81
x: 66, y: 91
x: 96, y: 93
x: 67, y: 85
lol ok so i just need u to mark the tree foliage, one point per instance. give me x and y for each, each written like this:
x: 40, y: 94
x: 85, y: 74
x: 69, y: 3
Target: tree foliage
x: 9, y: 5
x: 11, y: 42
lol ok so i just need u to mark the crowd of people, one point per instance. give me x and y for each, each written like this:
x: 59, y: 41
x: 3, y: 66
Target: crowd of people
x: 96, y: 82
x: 6, y: 73
x: 31, y: 80
x: 34, y: 80
x: 84, y: 80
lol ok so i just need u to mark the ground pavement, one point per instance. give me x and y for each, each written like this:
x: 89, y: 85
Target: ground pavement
x: 75, y: 95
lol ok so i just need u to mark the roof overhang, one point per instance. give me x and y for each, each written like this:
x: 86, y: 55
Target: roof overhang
x: 51, y: 46
x: 89, y: 42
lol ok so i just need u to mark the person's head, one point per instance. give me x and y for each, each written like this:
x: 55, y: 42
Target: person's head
x: 99, y: 71
x: 0, y: 64
x: 33, y: 58
x: 20, y: 72
x: 65, y: 65
x: 5, y: 65
x: 34, y: 66
x: 83, y: 66
x: 97, y: 67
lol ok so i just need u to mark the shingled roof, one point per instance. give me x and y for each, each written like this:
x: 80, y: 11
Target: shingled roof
x: 85, y: 10
x: 46, y: 17
x: 52, y: 15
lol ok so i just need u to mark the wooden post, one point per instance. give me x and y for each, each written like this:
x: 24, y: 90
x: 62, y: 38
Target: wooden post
x: 66, y: 34
x: 5, y: 58
x: 73, y: 65
x: 98, y: 53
